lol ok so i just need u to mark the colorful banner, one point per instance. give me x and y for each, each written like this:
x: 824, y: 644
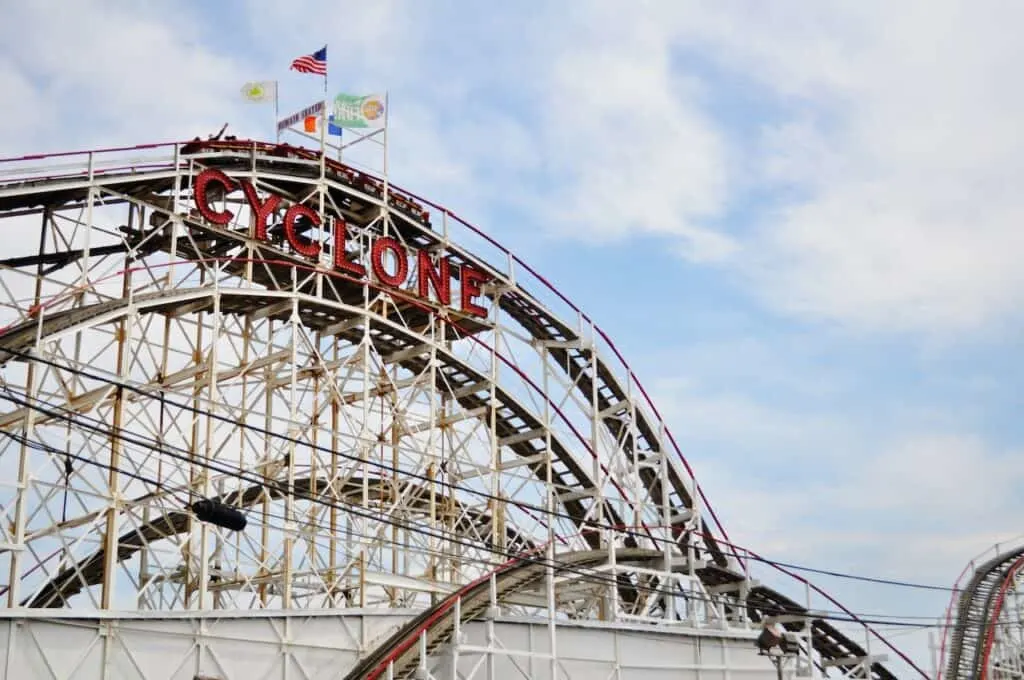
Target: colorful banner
x: 295, y: 118
x: 353, y: 111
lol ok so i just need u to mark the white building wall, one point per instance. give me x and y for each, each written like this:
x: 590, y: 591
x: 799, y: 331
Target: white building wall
x: 320, y: 645
x: 604, y: 652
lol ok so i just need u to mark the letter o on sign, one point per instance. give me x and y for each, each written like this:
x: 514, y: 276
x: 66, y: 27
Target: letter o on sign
x: 377, y: 260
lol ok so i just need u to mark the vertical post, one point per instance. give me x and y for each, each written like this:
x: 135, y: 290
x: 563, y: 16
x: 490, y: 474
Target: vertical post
x: 387, y: 113
x: 332, y: 486
x: 867, y: 652
x: 549, y: 552
x: 613, y: 587
x: 113, y: 480
x: 456, y: 639
x: 197, y: 471
x: 14, y: 578
x: 497, y: 500
x: 668, y: 612
x: 595, y: 425
x: 87, y: 236
x: 289, y: 499
x: 433, y: 543
x: 13, y: 626
x: 209, y: 450
x: 423, y: 652
x: 932, y: 653
x: 693, y: 522
x: 277, y: 111
x: 808, y: 630
x: 268, y: 424
x: 491, y: 638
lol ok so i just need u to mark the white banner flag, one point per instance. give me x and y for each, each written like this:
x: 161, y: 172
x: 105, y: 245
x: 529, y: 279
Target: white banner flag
x: 260, y: 91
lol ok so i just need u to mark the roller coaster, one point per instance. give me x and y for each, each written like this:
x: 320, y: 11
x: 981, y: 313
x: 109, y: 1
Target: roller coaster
x: 984, y: 623
x: 191, y: 322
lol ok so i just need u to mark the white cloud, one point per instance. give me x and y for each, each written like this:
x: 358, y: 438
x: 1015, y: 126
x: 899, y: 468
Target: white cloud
x: 629, y: 150
x: 893, y: 132
x: 831, y: 492
x: 904, y: 140
x: 106, y: 73
x: 953, y: 480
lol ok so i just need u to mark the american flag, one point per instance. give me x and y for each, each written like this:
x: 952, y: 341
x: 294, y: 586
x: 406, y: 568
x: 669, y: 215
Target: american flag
x: 312, y: 63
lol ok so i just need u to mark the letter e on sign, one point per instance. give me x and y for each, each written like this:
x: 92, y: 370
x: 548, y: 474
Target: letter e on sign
x: 470, y: 281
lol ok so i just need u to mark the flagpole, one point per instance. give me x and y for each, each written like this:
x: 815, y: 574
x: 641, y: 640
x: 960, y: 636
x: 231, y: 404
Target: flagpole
x: 323, y: 120
x: 277, y: 112
x: 387, y: 112
x: 323, y: 143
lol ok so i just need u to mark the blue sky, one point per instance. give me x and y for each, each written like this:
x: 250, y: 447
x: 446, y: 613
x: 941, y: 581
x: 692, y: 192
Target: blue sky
x: 801, y: 222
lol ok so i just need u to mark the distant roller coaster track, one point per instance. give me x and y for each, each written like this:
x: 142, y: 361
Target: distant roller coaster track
x: 398, y: 332
x: 977, y: 615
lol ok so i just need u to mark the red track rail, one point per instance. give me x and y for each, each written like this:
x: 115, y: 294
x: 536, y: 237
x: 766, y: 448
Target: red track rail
x: 997, y: 608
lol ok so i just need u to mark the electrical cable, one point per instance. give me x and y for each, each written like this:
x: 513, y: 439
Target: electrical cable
x: 584, y: 575
x: 137, y: 390
x: 878, y: 620
x: 384, y: 467
x: 853, y: 618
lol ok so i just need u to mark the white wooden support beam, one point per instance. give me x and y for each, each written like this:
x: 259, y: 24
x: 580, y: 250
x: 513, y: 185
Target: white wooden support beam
x: 855, y: 660
x: 341, y: 326
x: 519, y: 437
x: 576, y: 495
x: 613, y: 409
x: 575, y: 343
x: 407, y: 353
x: 680, y: 517
x: 271, y: 310
x: 730, y: 587
x: 472, y: 388
x: 525, y: 460
x: 796, y: 618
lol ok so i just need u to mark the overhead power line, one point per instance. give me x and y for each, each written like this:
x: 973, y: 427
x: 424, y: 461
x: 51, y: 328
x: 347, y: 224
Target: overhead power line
x: 736, y: 550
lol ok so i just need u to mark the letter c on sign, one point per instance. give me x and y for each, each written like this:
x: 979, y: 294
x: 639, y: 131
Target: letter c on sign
x: 202, y: 185
x: 306, y: 249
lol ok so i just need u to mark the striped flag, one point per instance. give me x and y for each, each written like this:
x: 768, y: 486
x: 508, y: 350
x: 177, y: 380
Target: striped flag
x: 312, y: 63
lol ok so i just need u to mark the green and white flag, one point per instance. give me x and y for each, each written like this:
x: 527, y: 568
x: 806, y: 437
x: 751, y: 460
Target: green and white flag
x: 260, y: 91
x: 353, y: 111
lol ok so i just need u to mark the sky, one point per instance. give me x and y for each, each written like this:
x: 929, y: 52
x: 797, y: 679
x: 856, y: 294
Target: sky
x: 799, y: 221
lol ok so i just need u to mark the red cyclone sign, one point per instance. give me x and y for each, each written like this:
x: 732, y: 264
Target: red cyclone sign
x: 430, y: 275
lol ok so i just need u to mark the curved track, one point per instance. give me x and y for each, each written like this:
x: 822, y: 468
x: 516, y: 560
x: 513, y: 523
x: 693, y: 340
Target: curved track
x: 977, y: 610
x: 437, y: 625
x: 89, y: 571
x: 328, y: 305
